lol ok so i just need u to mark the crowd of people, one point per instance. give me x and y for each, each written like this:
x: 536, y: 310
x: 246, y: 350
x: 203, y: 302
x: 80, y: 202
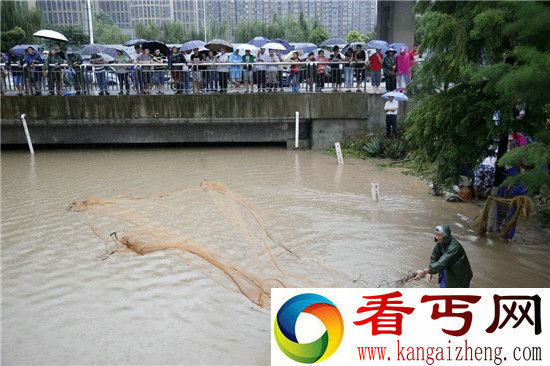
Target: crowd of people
x: 206, y: 71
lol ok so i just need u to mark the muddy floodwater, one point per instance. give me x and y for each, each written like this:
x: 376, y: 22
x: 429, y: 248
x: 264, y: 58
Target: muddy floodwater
x: 273, y: 216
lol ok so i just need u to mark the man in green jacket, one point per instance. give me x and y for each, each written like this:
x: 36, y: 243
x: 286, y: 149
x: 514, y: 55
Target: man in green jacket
x: 449, y: 260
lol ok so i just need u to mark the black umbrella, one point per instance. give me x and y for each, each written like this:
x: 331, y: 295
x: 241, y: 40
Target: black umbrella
x: 133, y: 42
x: 156, y: 45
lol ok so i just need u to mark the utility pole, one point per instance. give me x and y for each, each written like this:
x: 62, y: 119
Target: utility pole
x: 90, y: 24
x: 197, y: 15
x: 204, y: 18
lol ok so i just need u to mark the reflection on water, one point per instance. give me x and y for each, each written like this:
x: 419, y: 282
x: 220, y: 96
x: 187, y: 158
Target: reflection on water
x: 63, y: 305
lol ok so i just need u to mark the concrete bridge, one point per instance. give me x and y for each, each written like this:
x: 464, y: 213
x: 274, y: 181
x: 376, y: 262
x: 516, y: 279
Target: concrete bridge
x: 224, y: 118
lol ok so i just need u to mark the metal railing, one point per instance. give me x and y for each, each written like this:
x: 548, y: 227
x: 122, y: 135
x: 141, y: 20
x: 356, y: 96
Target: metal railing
x: 141, y: 78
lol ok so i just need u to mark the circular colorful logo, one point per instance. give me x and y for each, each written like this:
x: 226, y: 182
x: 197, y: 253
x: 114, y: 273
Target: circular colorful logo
x: 285, y: 328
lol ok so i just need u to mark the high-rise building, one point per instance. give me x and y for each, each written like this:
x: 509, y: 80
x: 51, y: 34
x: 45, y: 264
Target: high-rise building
x: 338, y: 16
x: 63, y: 12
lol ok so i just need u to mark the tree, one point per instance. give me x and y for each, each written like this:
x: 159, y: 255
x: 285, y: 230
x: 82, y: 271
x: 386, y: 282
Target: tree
x: 485, y: 57
x: 75, y: 35
x: 106, y: 31
x: 354, y: 36
x: 16, y: 14
x: 318, y: 35
x: 12, y: 38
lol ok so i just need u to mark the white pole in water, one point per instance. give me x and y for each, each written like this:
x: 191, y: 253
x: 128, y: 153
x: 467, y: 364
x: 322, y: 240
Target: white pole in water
x: 297, y: 130
x: 90, y: 25
x: 27, y: 133
x: 339, y: 155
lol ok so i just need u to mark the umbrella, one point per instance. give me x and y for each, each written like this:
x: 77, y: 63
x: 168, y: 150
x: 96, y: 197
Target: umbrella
x: 274, y: 46
x: 218, y: 44
x: 398, y: 46
x: 375, y: 44
x: 333, y: 42
x: 353, y: 46
x: 105, y: 57
x: 20, y: 50
x: 258, y: 41
x: 288, y: 47
x: 400, y: 97
x: 154, y: 45
x: 188, y: 46
x: 243, y: 47
x: 50, y: 34
x: 92, y: 48
x: 290, y: 54
x: 305, y: 47
x: 133, y: 42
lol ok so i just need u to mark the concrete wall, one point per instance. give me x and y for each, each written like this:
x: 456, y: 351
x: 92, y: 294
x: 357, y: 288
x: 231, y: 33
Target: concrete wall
x: 395, y: 21
x: 324, y: 118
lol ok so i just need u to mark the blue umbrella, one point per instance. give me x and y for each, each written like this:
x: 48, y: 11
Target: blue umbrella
x: 191, y: 45
x: 333, y: 42
x: 400, y: 97
x: 287, y: 45
x: 20, y: 50
x: 398, y: 46
x: 305, y: 47
x: 92, y: 48
x: 258, y: 41
x: 375, y: 44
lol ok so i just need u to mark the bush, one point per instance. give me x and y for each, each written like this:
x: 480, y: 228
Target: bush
x: 395, y: 149
x: 375, y: 147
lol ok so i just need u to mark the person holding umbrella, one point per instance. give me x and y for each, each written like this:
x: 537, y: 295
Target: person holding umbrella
x: 145, y: 59
x: 30, y: 62
x: 75, y: 63
x: 177, y: 71
x: 196, y: 59
x: 391, y: 108
x: 360, y: 58
x: 261, y: 69
x: 321, y: 69
x: 100, y: 73
x: 235, y: 71
x: 389, y: 65
x: 248, y: 73
x: 376, y: 61
x: 122, y: 72
x: 335, y: 74
x: 53, y: 69
x: 223, y: 70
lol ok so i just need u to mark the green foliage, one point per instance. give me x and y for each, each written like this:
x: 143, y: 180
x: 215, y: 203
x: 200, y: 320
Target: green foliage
x: 290, y: 29
x: 106, y: 32
x: 15, y: 17
x: 374, y: 147
x: 12, y: 38
x: 395, y: 149
x: 75, y: 35
x: 318, y: 35
x: 483, y: 57
x: 356, y: 36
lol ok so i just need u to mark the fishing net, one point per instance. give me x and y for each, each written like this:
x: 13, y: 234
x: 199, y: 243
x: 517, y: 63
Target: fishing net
x: 508, y: 211
x: 215, y: 230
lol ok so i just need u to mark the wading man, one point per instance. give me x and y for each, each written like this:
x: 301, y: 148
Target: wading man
x: 449, y: 260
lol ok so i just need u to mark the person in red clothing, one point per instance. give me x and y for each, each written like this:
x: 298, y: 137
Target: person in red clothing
x: 376, y: 68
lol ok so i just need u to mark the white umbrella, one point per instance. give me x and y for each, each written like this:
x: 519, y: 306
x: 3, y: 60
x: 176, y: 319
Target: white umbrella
x: 50, y: 34
x: 400, y: 97
x: 274, y: 46
x: 245, y: 46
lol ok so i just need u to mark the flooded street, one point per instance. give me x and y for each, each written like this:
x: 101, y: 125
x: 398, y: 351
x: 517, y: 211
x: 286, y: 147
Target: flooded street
x: 277, y: 216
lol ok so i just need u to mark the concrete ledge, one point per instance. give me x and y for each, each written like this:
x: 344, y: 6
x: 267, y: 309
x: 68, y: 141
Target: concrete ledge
x: 324, y: 118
